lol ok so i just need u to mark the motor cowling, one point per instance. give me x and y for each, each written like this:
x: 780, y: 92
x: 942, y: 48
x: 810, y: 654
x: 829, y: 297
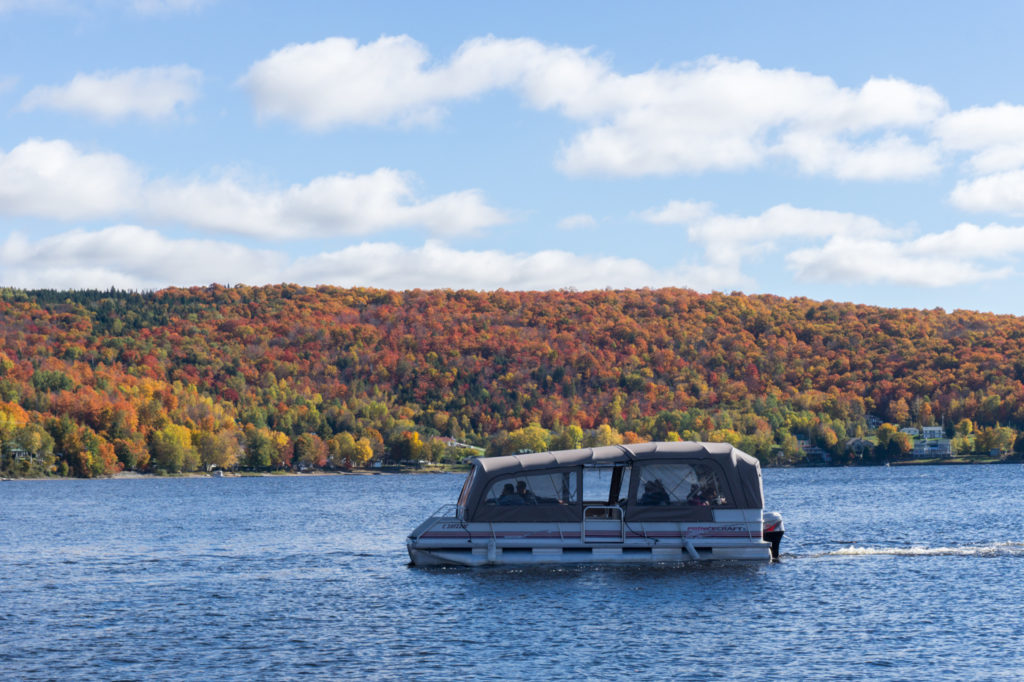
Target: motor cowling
x: 772, y: 531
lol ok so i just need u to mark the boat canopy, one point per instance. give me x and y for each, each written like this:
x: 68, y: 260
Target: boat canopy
x: 667, y: 481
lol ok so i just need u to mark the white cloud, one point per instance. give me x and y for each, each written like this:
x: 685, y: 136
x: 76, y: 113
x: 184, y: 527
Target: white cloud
x: 720, y: 114
x: 129, y: 257
x: 1002, y: 192
x: 849, y: 248
x: 851, y: 260
x: 337, y: 81
x: 578, y: 221
x: 136, y: 258
x: 968, y: 241
x: 337, y: 204
x: 436, y: 265
x: 890, y: 157
x: 714, y: 114
x: 728, y: 239
x: 152, y: 93
x: 995, y: 135
x: 53, y: 179
x: 781, y: 222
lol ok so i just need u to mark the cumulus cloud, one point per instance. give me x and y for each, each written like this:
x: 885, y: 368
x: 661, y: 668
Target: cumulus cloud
x: 434, y: 265
x: 337, y: 204
x: 889, y: 157
x: 137, y: 258
x: 151, y: 93
x: 846, y: 247
x: 994, y: 134
x: 713, y: 114
x: 728, y: 239
x: 968, y: 241
x: 129, y: 257
x: 53, y: 179
x: 1001, y: 192
x: 870, y: 261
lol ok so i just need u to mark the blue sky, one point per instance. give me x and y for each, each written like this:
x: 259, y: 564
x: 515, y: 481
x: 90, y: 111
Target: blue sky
x: 870, y: 153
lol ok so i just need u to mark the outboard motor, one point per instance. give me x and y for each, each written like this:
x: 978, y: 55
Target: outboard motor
x: 772, y: 531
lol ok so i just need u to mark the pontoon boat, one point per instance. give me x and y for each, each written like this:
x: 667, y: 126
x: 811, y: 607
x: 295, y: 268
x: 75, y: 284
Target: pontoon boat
x: 650, y: 502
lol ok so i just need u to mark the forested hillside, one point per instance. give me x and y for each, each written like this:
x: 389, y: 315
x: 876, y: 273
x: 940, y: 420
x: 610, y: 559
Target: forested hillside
x: 284, y: 376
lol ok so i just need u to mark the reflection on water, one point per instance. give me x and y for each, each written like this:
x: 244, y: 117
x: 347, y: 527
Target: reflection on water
x: 892, y: 573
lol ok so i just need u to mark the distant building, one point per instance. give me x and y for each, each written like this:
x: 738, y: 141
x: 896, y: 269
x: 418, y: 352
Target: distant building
x: 860, y: 447
x: 932, y: 432
x: 452, y: 443
x: 910, y: 431
x: 20, y: 453
x: 873, y: 421
x: 813, y: 452
x: 933, y: 449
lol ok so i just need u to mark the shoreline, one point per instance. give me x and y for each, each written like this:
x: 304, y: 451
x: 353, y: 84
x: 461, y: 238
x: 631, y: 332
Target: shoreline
x: 395, y: 471
x: 137, y: 475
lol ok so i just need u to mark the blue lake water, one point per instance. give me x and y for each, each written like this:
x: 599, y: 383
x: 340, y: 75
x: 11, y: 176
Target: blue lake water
x: 887, y: 573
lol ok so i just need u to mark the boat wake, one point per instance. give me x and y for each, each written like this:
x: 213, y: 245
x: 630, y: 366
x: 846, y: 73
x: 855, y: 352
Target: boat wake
x: 994, y: 549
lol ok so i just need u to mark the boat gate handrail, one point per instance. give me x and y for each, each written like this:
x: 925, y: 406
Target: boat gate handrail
x: 448, y: 511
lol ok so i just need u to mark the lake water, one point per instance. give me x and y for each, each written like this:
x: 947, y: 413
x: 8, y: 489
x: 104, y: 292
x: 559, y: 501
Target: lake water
x: 887, y: 573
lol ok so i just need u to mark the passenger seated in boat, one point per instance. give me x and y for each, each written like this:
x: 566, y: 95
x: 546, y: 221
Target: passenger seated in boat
x: 654, y: 493
x: 696, y: 497
x: 509, y: 496
x: 524, y: 492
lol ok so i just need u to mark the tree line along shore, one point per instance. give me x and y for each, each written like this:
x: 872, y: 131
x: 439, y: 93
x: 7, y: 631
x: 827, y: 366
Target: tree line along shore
x: 289, y: 378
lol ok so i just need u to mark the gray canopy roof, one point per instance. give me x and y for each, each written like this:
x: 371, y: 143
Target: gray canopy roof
x: 742, y: 471
x: 611, y: 454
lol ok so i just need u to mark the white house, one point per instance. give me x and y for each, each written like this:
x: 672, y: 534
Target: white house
x: 933, y: 449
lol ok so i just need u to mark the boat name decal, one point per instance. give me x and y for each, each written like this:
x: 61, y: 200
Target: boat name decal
x: 700, y: 531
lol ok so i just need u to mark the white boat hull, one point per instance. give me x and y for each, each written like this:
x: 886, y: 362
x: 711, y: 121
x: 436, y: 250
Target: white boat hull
x: 447, y: 541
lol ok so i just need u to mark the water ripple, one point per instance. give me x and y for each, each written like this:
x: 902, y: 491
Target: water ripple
x: 282, y: 578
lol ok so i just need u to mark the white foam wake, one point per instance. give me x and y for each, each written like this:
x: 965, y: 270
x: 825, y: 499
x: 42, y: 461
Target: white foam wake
x: 991, y: 549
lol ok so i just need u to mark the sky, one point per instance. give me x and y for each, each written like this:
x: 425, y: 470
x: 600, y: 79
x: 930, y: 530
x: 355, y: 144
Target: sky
x: 869, y: 152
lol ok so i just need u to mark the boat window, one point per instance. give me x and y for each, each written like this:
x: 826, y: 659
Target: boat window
x: 695, y: 484
x: 557, y: 487
x: 606, y: 485
x: 597, y: 483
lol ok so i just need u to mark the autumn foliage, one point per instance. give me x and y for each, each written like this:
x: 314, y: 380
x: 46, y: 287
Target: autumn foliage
x: 290, y: 377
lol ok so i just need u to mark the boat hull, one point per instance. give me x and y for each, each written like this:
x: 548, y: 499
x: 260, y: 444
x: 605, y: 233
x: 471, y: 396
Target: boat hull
x: 604, y: 555
x: 451, y: 542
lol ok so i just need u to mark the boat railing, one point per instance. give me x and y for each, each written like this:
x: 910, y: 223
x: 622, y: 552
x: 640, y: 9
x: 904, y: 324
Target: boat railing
x: 448, y: 511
